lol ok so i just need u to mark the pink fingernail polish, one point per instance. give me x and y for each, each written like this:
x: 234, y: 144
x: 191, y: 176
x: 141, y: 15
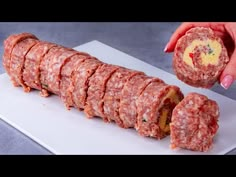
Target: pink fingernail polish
x: 227, y: 81
x: 166, y: 47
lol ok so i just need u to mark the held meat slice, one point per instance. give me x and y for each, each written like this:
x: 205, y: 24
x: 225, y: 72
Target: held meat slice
x: 154, y: 108
x: 17, y: 61
x: 194, y: 123
x: 31, y: 73
x: 199, y: 57
x: 8, y: 45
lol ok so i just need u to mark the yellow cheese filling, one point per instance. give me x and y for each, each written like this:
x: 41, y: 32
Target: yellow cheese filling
x: 211, y: 57
x: 164, y: 113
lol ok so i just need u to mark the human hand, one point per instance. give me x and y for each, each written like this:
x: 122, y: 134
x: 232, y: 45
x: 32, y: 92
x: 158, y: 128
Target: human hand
x: 227, y: 32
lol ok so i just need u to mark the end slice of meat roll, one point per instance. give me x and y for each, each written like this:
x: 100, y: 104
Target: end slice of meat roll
x: 194, y: 123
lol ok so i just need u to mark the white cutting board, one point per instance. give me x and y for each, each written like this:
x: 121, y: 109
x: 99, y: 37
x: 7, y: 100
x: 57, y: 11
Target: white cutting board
x: 49, y: 123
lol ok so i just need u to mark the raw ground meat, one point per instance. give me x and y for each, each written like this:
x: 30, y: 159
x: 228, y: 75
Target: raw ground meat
x: 17, y: 61
x: 194, y: 123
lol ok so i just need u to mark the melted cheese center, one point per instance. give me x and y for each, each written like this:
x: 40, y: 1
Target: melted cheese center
x: 211, y: 57
x: 164, y: 114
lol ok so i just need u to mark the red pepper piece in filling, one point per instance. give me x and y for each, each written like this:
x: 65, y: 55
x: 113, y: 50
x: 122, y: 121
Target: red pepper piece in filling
x: 191, y: 55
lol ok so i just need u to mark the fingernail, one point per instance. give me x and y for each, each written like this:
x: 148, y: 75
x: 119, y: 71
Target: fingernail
x: 227, y: 81
x: 166, y: 47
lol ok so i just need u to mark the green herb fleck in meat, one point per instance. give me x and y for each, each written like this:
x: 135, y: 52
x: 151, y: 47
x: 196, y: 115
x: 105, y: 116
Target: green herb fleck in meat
x: 210, y: 51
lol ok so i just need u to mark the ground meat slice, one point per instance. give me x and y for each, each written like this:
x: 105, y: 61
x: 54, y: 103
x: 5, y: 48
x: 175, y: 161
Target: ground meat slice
x: 31, y: 73
x: 154, y: 108
x: 113, y: 91
x: 17, y: 61
x: 66, y: 84
x: 199, y: 57
x: 44, y: 69
x: 9, y: 43
x: 130, y: 93
x: 80, y: 79
x: 55, y: 64
x: 96, y: 91
x: 194, y: 123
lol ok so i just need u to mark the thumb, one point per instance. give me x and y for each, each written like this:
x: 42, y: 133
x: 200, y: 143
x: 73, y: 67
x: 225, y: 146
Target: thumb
x: 180, y: 31
x: 229, y: 74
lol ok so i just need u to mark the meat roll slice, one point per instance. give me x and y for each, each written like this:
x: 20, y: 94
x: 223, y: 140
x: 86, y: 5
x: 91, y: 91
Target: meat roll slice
x: 96, y: 91
x: 31, y: 73
x: 8, y: 45
x: 199, y: 57
x: 194, y: 123
x: 55, y: 64
x: 80, y: 79
x: 154, y: 108
x: 44, y: 69
x: 113, y: 93
x: 130, y: 93
x: 66, y: 84
x: 17, y: 61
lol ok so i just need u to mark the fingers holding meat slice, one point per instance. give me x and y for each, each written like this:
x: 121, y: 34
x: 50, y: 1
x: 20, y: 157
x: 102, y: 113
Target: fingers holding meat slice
x: 199, y: 57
